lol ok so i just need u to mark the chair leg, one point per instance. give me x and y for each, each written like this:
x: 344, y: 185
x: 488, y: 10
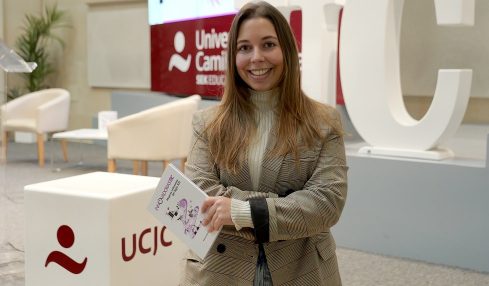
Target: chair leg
x: 135, y: 167
x: 4, y: 145
x: 144, y: 168
x: 182, y: 164
x: 64, y: 148
x: 111, y: 165
x: 40, y: 149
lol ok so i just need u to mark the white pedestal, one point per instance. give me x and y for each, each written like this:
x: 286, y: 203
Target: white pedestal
x: 94, y: 229
x: 433, y: 154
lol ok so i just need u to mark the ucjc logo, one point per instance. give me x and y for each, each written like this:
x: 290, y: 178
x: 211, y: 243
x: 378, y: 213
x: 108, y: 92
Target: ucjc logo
x: 66, y: 238
x: 158, y: 238
x: 176, y: 60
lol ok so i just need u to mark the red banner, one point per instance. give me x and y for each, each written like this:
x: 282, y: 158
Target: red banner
x: 189, y: 57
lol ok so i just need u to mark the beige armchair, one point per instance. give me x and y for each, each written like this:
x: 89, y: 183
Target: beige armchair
x: 40, y: 112
x: 161, y: 133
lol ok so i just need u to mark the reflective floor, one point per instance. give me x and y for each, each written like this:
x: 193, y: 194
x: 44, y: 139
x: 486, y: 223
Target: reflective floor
x: 11, y: 266
x: 357, y: 268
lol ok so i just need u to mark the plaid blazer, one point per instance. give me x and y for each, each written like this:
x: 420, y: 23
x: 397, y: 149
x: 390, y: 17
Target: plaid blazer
x: 296, y: 234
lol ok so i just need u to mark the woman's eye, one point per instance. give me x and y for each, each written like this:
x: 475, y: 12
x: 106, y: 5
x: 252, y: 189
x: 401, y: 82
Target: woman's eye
x: 243, y: 48
x: 269, y: 45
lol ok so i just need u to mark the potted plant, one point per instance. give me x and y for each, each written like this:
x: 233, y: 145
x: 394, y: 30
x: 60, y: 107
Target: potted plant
x: 33, y: 45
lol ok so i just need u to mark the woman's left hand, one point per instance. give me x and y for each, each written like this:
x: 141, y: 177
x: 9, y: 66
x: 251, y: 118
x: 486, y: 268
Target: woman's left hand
x: 217, y: 213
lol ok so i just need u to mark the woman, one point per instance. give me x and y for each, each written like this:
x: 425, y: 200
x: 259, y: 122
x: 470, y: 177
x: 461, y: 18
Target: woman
x: 273, y: 163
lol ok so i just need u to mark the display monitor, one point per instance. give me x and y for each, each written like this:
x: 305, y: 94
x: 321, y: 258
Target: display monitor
x: 167, y: 11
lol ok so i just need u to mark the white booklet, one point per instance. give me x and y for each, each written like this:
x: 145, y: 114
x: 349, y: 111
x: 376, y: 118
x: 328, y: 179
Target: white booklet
x: 176, y: 203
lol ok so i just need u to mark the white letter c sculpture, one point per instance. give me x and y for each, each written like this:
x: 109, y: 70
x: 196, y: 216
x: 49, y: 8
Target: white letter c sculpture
x: 370, y: 72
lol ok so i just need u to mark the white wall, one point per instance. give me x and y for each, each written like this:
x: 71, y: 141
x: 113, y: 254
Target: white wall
x: 427, y: 47
x: 118, y: 48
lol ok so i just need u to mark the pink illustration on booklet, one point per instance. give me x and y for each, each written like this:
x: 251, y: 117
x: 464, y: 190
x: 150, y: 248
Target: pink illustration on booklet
x: 187, y: 214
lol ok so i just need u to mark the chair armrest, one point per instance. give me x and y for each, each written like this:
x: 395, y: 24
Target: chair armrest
x: 21, y: 107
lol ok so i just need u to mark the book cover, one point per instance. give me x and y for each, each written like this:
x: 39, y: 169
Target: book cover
x: 176, y: 203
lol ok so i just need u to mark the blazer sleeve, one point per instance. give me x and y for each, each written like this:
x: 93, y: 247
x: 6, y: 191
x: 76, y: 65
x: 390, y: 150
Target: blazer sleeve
x: 200, y: 167
x: 313, y: 209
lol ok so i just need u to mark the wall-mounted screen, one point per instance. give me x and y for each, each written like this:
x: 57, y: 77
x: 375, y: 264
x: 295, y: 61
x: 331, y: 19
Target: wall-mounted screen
x: 167, y: 11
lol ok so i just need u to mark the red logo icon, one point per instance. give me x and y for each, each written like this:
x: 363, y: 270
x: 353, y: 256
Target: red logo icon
x: 66, y: 238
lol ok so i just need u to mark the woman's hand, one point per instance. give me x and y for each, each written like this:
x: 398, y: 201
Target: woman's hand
x: 217, y: 213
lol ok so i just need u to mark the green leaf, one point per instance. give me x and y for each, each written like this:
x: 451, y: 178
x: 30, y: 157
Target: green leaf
x: 39, y: 32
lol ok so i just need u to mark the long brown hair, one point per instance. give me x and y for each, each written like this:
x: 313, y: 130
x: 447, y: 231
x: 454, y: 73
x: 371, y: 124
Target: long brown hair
x: 232, y: 128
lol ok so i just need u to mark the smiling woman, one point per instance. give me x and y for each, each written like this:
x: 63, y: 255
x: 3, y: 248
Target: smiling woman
x: 272, y: 161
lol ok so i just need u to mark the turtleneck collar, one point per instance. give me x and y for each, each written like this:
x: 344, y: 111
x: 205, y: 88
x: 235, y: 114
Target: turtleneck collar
x: 264, y: 99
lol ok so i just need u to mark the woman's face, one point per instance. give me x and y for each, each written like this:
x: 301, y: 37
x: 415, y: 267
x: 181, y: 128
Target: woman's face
x: 259, y: 58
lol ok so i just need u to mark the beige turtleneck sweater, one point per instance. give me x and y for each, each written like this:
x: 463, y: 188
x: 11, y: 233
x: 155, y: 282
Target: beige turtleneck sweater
x: 264, y: 115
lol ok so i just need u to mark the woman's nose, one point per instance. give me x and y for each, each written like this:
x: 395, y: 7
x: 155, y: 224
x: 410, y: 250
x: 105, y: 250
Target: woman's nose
x: 257, y: 55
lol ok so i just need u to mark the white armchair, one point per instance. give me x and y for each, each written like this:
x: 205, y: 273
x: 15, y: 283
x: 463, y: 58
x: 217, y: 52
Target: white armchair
x: 161, y: 133
x: 40, y: 112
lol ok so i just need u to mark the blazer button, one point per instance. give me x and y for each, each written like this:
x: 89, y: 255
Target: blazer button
x: 221, y: 248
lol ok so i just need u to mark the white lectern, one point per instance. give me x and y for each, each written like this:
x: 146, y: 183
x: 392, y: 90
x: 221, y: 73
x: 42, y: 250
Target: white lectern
x: 11, y: 62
